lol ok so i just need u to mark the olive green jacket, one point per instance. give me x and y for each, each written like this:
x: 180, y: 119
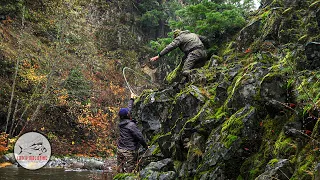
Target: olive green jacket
x: 186, y: 41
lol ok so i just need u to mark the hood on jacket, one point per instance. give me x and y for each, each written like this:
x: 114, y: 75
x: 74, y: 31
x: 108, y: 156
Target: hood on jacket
x: 124, y: 122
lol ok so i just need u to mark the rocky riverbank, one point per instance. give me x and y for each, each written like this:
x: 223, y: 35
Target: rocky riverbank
x: 68, y: 163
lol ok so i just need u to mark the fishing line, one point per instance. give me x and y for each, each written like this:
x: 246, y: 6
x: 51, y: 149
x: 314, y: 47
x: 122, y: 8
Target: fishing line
x: 140, y: 75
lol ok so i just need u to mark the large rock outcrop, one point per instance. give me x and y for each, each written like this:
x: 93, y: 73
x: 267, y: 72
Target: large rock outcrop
x: 252, y: 114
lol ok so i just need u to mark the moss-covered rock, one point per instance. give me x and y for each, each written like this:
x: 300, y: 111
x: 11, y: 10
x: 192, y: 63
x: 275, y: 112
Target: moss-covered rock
x: 253, y: 113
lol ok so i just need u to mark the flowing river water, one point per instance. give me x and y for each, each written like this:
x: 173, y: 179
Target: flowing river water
x: 49, y: 174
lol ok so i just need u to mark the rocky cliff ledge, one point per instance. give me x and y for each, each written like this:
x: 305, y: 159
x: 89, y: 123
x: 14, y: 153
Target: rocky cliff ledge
x: 251, y: 112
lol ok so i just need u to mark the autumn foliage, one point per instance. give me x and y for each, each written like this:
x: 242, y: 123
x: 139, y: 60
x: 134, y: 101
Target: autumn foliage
x: 3, y: 143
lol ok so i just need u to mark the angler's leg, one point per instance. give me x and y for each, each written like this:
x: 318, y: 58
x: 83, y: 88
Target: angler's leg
x: 192, y: 59
x: 131, y: 160
x: 120, y: 161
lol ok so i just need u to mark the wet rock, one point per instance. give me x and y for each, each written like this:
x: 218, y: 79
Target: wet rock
x: 224, y: 151
x: 265, y: 3
x: 76, y: 163
x: 248, y: 35
x: 271, y: 27
x: 2, y: 17
x: 246, y: 88
x: 273, y: 93
x: 152, y: 154
x: 9, y: 158
x: 166, y: 144
x: 282, y: 169
x: 233, y: 71
x: 163, y: 169
x: 318, y: 18
x: 92, y: 164
x: 293, y: 129
x: 317, y: 172
x: 214, y: 61
x: 221, y: 93
x: 290, y: 3
x: 56, y: 162
x: 196, y: 147
x: 154, y: 110
x: 167, y: 175
x: 312, y: 51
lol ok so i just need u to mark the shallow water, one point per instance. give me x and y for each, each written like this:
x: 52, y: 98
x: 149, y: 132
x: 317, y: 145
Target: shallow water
x: 47, y: 173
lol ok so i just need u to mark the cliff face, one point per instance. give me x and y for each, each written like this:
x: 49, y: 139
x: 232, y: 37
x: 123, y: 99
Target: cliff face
x: 251, y: 112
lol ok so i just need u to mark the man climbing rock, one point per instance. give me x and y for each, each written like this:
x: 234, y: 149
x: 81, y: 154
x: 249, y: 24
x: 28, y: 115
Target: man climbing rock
x: 129, y: 140
x: 192, y: 47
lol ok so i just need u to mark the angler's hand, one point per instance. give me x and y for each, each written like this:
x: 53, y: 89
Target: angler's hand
x: 154, y: 58
x: 133, y: 96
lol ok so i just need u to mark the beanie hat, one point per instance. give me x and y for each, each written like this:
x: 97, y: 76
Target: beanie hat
x: 124, y: 112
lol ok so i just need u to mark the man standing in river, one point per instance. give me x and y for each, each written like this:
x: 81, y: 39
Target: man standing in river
x: 192, y: 47
x: 129, y: 140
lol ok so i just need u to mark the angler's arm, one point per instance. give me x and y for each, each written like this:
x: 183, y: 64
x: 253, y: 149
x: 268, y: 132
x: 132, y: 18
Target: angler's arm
x: 174, y: 44
x: 130, y: 103
x: 138, y: 135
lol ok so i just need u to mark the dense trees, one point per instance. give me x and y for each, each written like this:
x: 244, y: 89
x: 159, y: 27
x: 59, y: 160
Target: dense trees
x: 218, y: 20
x: 68, y: 56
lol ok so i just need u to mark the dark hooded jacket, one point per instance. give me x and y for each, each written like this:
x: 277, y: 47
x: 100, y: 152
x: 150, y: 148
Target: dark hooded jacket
x: 130, y: 136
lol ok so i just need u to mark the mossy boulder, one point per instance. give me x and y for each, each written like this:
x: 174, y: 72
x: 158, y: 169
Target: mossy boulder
x: 277, y: 168
x: 251, y: 111
x: 163, y: 169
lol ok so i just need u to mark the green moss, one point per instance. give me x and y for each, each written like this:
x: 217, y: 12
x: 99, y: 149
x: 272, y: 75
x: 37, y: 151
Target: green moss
x: 157, y: 136
x: 308, y: 88
x: 264, y: 16
x: 229, y: 140
x: 272, y: 162
x: 219, y: 113
x: 194, y: 118
x: 254, y: 172
x: 240, y: 177
x: 235, y: 84
x: 287, y: 11
x: 172, y: 76
x: 156, y: 151
x: 232, y: 127
x: 315, y: 4
x: 194, y: 152
x: 284, y: 145
x: 149, y: 97
x: 253, y: 166
x: 303, y: 39
x: 306, y: 167
x: 177, y: 165
x: 229, y: 48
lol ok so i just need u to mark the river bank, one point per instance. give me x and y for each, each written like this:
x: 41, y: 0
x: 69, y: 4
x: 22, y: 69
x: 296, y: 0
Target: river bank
x: 74, y: 167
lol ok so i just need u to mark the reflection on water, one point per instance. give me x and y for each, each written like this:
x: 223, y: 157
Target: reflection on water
x: 47, y: 173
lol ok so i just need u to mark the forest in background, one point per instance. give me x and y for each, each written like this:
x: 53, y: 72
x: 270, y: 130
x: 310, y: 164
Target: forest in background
x: 61, y: 61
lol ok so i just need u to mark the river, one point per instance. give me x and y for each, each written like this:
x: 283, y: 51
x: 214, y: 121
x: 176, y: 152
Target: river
x: 48, y: 173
